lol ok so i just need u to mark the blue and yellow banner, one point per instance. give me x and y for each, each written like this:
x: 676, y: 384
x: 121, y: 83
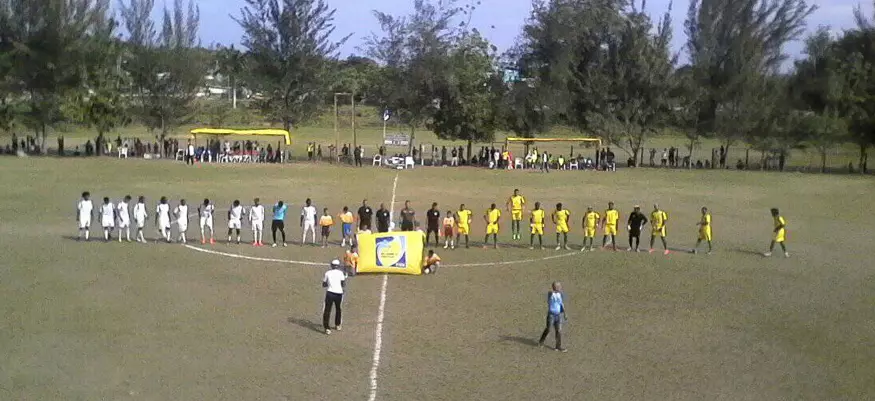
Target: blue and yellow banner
x: 398, y: 252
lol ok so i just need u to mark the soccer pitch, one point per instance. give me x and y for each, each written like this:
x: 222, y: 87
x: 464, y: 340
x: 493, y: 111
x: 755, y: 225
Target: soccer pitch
x: 168, y: 322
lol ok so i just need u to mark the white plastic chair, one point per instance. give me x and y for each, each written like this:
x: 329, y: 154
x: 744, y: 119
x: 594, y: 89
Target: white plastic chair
x: 574, y: 165
x: 180, y: 154
x: 377, y: 161
x: 409, y: 162
x: 518, y: 163
x: 123, y: 152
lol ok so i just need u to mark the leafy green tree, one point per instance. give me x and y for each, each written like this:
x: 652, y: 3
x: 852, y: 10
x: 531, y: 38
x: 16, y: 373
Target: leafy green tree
x: 44, y: 42
x: 415, y: 53
x: 290, y: 52
x: 465, y: 105
x: 167, y: 69
x: 732, y: 46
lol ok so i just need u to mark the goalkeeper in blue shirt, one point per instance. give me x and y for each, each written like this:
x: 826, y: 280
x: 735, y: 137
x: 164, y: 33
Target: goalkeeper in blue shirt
x: 555, y: 316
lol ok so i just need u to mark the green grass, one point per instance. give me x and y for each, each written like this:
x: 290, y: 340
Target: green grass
x: 160, y: 321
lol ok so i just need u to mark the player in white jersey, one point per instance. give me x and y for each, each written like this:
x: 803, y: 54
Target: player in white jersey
x: 107, y: 218
x: 205, y: 211
x: 308, y: 221
x: 84, y: 211
x: 124, y: 219
x: 256, y: 221
x: 162, y: 219
x: 181, y: 214
x: 235, y: 219
x: 140, y: 216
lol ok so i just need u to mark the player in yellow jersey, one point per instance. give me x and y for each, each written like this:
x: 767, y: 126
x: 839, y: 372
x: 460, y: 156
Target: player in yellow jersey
x: 463, y: 223
x: 491, y: 216
x: 658, y: 218
x: 612, y: 216
x: 590, y: 224
x: 704, y: 230
x: 347, y: 220
x: 325, y: 222
x: 515, y: 205
x: 536, y: 221
x: 449, y: 225
x: 780, y: 232
x: 560, y: 219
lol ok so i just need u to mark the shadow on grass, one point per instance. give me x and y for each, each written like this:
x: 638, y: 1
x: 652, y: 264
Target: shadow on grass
x: 307, y: 324
x: 519, y: 340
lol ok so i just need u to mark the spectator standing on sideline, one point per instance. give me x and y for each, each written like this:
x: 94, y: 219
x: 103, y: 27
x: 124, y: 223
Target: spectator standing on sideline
x: 652, y: 156
x: 664, y: 160
x: 555, y: 315
x: 334, y: 281
x: 455, y: 158
x: 189, y: 153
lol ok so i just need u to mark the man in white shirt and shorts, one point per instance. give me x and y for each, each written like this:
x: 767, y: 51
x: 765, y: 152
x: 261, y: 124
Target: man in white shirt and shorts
x: 235, y: 219
x: 334, y: 281
x: 140, y: 216
x: 84, y: 211
x: 308, y: 221
x: 162, y: 219
x: 181, y: 213
x: 124, y: 219
x: 256, y: 221
x: 107, y: 217
x: 205, y: 211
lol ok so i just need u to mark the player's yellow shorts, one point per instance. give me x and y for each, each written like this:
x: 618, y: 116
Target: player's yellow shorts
x: 705, y: 234
x: 562, y: 228
x: 516, y: 215
x: 779, y: 236
x: 611, y: 229
x: 589, y: 232
x: 492, y: 228
x: 538, y: 229
x: 659, y: 232
x: 463, y: 229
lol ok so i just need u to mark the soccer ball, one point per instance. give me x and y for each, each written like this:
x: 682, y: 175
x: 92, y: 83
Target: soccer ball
x: 426, y: 271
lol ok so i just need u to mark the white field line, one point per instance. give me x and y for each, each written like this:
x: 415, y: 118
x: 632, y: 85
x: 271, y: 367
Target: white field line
x: 381, y: 311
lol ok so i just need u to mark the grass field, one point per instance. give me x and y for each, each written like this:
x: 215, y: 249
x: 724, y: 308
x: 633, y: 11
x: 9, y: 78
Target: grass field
x: 87, y: 321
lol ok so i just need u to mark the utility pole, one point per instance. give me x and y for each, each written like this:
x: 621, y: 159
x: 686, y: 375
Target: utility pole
x: 336, y: 116
x: 354, y: 136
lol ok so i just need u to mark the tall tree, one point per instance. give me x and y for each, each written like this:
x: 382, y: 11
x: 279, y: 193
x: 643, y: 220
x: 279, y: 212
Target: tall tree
x: 290, y: 52
x: 45, y: 44
x: 167, y: 69
x: 415, y: 53
x: 464, y: 100
x: 231, y: 63
x: 731, y: 44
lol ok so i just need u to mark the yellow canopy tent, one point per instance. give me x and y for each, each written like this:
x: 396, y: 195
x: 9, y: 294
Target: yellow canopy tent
x: 243, y: 132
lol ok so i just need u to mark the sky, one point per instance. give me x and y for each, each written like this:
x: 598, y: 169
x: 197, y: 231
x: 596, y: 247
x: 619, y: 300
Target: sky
x: 499, y: 20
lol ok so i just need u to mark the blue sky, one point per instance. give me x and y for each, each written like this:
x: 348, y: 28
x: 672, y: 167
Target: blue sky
x: 499, y: 20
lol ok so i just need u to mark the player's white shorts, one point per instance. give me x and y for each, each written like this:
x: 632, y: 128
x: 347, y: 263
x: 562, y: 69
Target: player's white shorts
x: 141, y: 223
x: 124, y: 223
x: 234, y: 224
x: 164, y: 223
x: 108, y: 222
x: 206, y: 222
x: 309, y: 226
x: 84, y: 221
x: 183, y: 225
x: 258, y: 225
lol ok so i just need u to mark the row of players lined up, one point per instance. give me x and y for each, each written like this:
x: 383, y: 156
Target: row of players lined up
x: 452, y: 227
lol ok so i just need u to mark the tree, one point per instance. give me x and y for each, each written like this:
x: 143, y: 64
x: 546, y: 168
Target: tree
x: 44, y: 42
x: 166, y: 69
x: 731, y: 46
x: 415, y: 54
x: 465, y: 105
x: 290, y: 54
x: 232, y: 63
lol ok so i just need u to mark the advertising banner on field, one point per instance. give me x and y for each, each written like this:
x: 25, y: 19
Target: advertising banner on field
x: 396, y: 252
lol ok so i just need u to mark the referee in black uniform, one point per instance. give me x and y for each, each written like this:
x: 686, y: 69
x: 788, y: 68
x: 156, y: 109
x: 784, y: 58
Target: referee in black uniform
x: 365, y: 214
x: 636, y: 222
x: 433, y: 217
